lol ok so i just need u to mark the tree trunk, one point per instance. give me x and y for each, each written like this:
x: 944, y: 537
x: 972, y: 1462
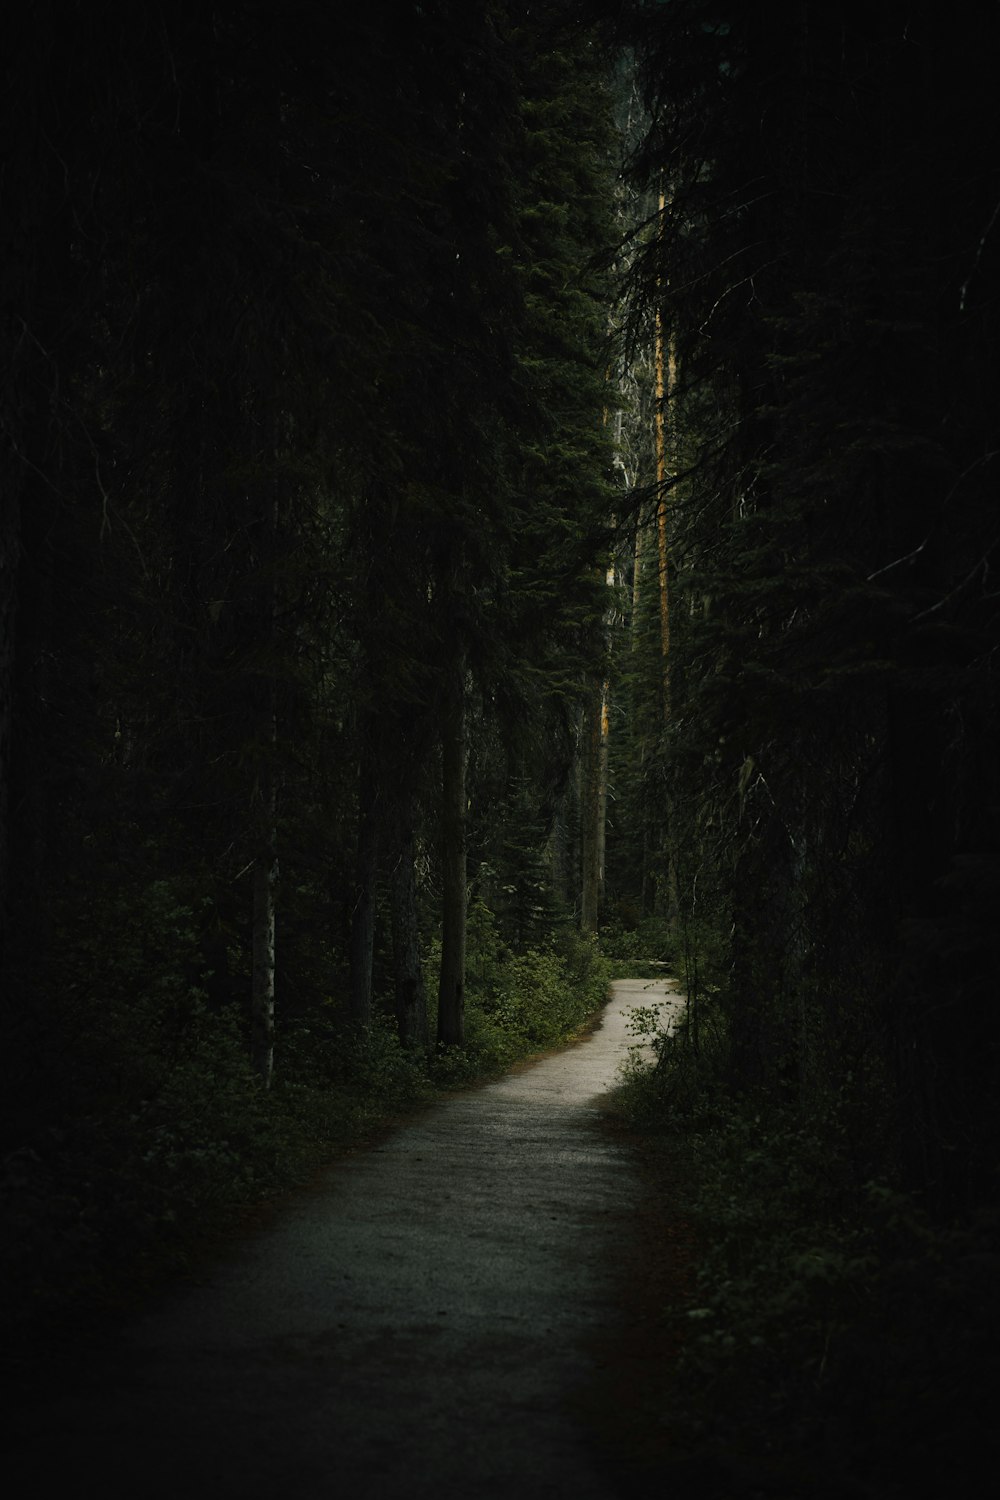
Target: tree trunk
x: 662, y: 397
x: 602, y: 790
x: 411, y: 998
x: 665, y: 383
x: 265, y: 879
x: 563, y: 852
x: 365, y: 869
x: 9, y: 553
x: 590, y: 813
x: 451, y: 994
x: 265, y: 870
x: 640, y: 538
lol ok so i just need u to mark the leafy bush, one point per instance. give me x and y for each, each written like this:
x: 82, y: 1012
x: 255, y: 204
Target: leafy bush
x: 518, y: 1003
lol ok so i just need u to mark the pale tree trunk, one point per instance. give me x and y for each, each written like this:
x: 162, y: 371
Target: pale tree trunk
x: 451, y: 992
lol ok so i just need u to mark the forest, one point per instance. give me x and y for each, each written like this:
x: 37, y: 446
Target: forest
x: 495, y: 496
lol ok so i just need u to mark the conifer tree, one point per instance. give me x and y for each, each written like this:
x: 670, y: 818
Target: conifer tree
x: 823, y: 626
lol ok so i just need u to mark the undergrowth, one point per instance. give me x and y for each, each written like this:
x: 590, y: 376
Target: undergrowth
x: 160, y: 1137
x: 518, y: 1003
x: 832, y: 1334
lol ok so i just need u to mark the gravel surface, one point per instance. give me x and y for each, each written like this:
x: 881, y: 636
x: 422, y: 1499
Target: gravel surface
x: 422, y: 1323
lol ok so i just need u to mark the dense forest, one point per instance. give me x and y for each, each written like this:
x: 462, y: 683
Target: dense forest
x: 817, y: 282
x: 489, y: 492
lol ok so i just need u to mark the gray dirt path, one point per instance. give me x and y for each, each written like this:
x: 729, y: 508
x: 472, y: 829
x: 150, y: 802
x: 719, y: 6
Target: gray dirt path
x: 421, y: 1324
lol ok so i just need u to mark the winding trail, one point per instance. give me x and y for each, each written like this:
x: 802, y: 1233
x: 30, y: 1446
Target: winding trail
x: 423, y: 1323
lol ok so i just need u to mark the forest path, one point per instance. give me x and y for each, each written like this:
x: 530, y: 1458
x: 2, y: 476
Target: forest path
x: 424, y: 1322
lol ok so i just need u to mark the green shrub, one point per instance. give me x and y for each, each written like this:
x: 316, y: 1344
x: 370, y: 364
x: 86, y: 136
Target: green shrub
x: 518, y: 1003
x: 543, y: 995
